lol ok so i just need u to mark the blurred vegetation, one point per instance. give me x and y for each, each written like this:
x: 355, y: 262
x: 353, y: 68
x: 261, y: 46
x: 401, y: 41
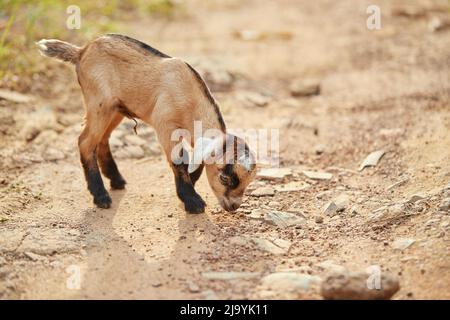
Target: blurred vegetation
x: 23, y: 22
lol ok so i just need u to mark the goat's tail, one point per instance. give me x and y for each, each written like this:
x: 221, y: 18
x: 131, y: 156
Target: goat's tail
x: 60, y: 50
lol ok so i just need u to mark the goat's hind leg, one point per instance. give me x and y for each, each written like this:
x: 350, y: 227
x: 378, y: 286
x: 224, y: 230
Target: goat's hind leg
x: 105, y: 159
x: 98, y: 119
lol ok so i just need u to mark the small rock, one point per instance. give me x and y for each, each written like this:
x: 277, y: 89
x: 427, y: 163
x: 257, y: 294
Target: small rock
x: 304, y: 88
x: 15, y: 96
x: 33, y: 256
x: 230, y: 275
x: 402, y: 243
x: 391, y: 132
x: 445, y: 205
x: 193, y: 287
x: 436, y: 24
x: 318, y: 219
x: 330, y: 209
x: 354, y: 211
x: 274, y: 246
x: 263, y: 191
x: 342, y: 201
x: 274, y: 174
x: 253, y: 99
x: 278, y: 218
x: 416, y: 197
x: 317, y: 175
x: 274, y: 204
x: 2, y: 261
x: 319, y: 149
x: 359, y: 286
x: 51, y: 154
x: 293, y: 186
x: 210, y: 295
x: 387, y: 213
x: 372, y: 159
x: 289, y: 282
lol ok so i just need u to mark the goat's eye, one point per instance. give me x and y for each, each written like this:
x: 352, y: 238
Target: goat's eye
x: 224, y: 179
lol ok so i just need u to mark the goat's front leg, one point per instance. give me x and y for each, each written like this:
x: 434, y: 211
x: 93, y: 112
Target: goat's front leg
x: 193, y: 203
x: 179, y: 162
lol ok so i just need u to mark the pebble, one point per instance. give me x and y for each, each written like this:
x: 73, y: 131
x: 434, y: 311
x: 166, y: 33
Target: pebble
x: 359, y: 286
x: 354, y: 211
x: 263, y: 191
x: 274, y: 174
x: 293, y: 186
x: 317, y: 175
x: 318, y: 219
x: 51, y: 154
x: 210, y: 295
x: 278, y: 218
x: 304, y: 88
x: 402, y: 243
x: 15, y: 96
x: 193, y: 287
x: 391, y: 132
x: 416, y: 197
x: 372, y: 159
x: 32, y: 256
x: 330, y: 209
x: 289, y: 282
x: 445, y: 205
x: 274, y: 246
x: 253, y: 99
x: 342, y: 201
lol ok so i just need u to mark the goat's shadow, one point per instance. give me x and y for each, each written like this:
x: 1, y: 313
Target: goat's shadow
x: 115, y: 270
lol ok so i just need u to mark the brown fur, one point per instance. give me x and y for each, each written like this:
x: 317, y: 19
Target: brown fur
x: 120, y: 76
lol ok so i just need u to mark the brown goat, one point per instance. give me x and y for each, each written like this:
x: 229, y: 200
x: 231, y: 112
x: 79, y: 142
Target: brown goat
x: 121, y: 76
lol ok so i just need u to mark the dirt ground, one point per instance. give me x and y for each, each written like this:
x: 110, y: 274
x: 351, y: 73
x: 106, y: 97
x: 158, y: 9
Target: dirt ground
x: 385, y: 90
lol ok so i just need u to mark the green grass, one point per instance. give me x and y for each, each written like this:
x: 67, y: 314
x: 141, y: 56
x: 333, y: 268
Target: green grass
x: 23, y: 22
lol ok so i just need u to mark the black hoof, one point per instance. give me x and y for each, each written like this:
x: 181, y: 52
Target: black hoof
x: 103, y: 201
x: 195, y: 205
x: 118, y: 184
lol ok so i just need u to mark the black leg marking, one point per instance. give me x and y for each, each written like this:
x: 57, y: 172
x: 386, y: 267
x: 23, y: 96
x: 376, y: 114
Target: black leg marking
x: 95, y: 183
x: 109, y: 167
x: 193, y: 203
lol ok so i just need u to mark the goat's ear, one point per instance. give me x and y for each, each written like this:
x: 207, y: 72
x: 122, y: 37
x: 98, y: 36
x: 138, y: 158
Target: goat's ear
x: 247, y: 160
x: 203, y: 150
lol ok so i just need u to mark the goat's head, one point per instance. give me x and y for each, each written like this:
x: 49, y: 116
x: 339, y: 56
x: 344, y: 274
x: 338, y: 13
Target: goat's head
x: 230, y: 167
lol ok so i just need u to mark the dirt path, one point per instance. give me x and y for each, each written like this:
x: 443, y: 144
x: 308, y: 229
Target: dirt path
x: 379, y: 90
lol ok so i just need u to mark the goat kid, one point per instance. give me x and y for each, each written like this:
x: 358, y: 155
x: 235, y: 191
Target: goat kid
x: 122, y: 77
